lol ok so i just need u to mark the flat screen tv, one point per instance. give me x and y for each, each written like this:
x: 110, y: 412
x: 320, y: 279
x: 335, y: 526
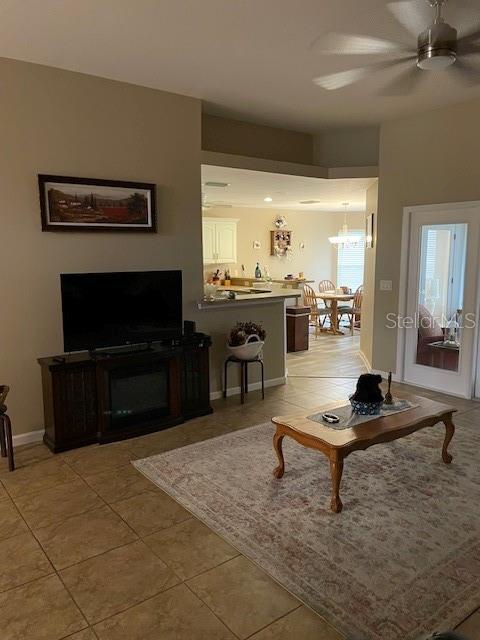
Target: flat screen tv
x: 114, y: 309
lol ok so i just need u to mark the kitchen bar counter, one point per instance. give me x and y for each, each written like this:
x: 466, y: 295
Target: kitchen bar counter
x: 251, y: 299
x: 293, y: 283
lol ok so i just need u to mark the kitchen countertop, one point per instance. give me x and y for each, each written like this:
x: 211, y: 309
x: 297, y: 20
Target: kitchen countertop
x: 250, y: 299
x: 294, y: 283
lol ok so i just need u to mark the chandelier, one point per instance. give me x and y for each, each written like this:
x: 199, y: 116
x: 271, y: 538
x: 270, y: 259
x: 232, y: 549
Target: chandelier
x: 343, y: 237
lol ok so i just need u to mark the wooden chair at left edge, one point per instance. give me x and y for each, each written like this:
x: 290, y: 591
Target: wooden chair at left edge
x: 6, y: 442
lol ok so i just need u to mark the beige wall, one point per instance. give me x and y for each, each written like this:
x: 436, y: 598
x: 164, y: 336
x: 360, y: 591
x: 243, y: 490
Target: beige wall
x: 219, y: 321
x: 58, y: 122
x: 426, y: 159
x: 352, y: 147
x: 256, y: 141
x: 317, y: 260
x: 367, y: 332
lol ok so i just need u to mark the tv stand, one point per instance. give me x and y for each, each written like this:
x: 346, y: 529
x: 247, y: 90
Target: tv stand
x: 107, y: 396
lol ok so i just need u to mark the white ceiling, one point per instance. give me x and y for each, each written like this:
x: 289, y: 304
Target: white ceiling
x: 248, y: 59
x: 249, y: 188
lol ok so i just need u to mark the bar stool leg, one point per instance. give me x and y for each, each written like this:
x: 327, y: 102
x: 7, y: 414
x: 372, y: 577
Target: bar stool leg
x: 263, y: 380
x: 8, y: 438
x: 3, y: 442
x: 242, y: 382
x: 225, y: 378
x: 246, y: 376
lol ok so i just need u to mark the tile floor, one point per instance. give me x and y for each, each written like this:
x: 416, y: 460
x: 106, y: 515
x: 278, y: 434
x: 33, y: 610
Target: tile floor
x: 89, y: 549
x: 324, y: 349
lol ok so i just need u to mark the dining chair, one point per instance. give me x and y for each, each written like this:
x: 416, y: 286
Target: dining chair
x: 325, y: 285
x: 317, y: 314
x: 344, y: 308
x: 355, y: 311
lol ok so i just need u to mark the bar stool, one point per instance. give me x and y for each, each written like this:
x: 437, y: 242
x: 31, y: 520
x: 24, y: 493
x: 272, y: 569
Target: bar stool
x: 6, y: 444
x: 243, y: 375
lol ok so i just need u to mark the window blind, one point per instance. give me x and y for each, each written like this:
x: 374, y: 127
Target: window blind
x: 350, y: 262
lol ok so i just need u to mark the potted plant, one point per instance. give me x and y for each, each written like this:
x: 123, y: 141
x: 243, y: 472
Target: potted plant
x: 246, y: 340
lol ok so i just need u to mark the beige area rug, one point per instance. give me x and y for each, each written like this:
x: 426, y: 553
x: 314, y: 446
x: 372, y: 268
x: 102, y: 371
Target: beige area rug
x: 402, y: 559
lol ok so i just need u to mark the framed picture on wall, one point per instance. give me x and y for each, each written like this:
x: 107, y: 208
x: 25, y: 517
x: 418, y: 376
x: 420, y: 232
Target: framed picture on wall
x: 88, y: 204
x: 369, y: 231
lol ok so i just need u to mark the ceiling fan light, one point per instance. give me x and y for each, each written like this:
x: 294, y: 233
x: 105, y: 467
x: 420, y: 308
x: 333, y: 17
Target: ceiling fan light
x: 436, y: 60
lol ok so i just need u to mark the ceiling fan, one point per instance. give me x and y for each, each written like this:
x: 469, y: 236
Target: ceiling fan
x: 438, y: 49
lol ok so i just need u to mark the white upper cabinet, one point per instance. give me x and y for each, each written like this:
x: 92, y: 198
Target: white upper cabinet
x: 208, y: 242
x: 219, y: 240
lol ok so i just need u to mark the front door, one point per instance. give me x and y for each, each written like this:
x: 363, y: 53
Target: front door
x: 441, y: 298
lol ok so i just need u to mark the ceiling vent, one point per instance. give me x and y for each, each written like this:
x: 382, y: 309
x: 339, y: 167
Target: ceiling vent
x: 221, y: 185
x: 310, y: 201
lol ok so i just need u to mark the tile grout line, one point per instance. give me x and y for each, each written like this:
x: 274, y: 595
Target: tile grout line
x: 300, y: 604
x: 105, y: 504
x: 87, y: 510
x: 197, y: 575
x: 139, y: 539
x: 136, y: 604
x: 127, y: 608
x: 55, y: 572
x: 71, y: 635
x: 97, y: 555
x: 212, y: 611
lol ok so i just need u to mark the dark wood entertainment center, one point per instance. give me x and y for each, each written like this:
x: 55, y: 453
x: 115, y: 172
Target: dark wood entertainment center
x: 106, y: 397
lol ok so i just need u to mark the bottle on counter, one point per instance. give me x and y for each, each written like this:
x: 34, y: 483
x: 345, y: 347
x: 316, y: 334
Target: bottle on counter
x: 258, y: 271
x: 227, y: 277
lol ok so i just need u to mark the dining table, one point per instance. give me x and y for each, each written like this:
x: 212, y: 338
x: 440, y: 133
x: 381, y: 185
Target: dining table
x: 331, y: 300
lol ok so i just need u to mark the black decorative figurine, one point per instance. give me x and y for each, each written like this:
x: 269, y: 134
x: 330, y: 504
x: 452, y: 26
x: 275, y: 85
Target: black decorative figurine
x: 368, y: 398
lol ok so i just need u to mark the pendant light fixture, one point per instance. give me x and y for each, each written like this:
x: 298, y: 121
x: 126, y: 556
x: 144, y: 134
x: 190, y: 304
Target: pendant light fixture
x: 343, y: 238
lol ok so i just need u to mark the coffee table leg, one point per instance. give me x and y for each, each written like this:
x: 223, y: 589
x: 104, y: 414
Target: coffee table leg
x: 277, y: 445
x: 336, y: 470
x: 450, y: 431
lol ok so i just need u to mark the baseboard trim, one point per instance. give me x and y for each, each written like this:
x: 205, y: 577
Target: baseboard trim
x: 235, y: 391
x: 365, y: 360
x: 28, y: 438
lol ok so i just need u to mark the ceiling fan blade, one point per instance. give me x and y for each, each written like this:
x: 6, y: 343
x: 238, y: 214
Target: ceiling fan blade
x: 347, y: 44
x: 406, y: 82
x: 342, y: 79
x: 469, y: 50
x: 467, y: 72
x: 414, y: 16
x: 469, y: 40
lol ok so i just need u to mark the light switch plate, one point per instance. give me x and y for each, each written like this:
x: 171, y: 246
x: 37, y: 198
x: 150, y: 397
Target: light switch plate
x: 385, y: 285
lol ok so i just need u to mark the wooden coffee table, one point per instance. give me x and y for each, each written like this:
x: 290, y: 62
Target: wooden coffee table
x: 338, y: 444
